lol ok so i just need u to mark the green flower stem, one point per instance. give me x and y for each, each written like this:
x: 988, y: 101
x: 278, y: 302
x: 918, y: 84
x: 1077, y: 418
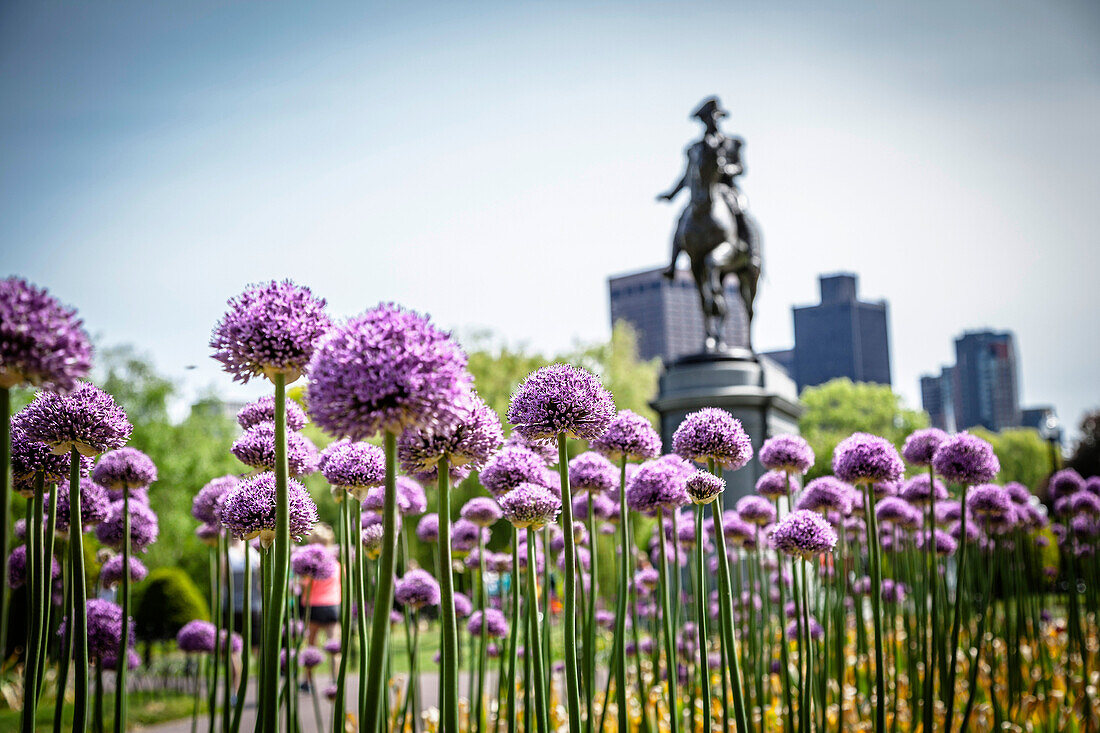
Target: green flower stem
x: 359, y: 589
x: 542, y: 715
x: 701, y: 614
x: 78, y: 629
x: 478, y: 710
x: 227, y: 703
x: 513, y: 636
x: 448, y: 680
x: 246, y: 646
x: 124, y: 639
x: 33, y: 591
x: 620, y: 606
x: 340, y: 708
x: 809, y: 647
x: 198, y: 695
x: 841, y: 625
x: 5, y: 506
x: 956, y: 620
x: 215, y: 611
x: 547, y: 615
x: 876, y: 606
x: 590, y: 636
x: 97, y: 718
x: 986, y: 610
x: 666, y: 616
x: 569, y: 611
x: 66, y: 641
x: 931, y: 574
x: 725, y: 607
x: 47, y: 590
x: 784, y: 644
x: 276, y: 612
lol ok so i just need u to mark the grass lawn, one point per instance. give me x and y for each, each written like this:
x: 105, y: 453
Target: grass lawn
x: 145, y: 709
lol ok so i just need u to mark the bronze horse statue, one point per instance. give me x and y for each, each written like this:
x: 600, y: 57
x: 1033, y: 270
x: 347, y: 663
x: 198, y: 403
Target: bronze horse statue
x: 715, y: 230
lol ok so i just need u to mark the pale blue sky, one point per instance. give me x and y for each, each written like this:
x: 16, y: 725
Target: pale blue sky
x: 493, y: 163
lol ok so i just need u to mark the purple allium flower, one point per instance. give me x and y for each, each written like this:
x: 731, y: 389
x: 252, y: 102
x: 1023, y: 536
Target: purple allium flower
x: 411, y: 499
x: 204, y: 507
x: 463, y: 606
x: 773, y: 485
x: 416, y: 589
x: 197, y: 637
x: 647, y: 579
x: 866, y: 459
x: 387, y: 369
x: 921, y: 446
x: 105, y: 628
x: 370, y: 518
x: 17, y: 567
x: 372, y: 536
x: 1092, y: 485
x: 898, y: 511
x: 94, y: 505
x: 315, y: 562
x: 756, y: 510
x: 1084, y: 502
x: 86, y: 419
x: 1019, y: 493
x: 1064, y: 482
x: 29, y: 456
x: 630, y: 436
x: 263, y: 410
x: 42, y: 343
x: 787, y: 453
x: 482, y: 511
x: 703, y: 487
x: 143, y: 527
x: 139, y: 496
x: 256, y: 449
x: 465, y: 535
x: 988, y: 499
x: 547, y: 450
x: 513, y: 466
x: 530, y: 505
x: 737, y: 530
x: 918, y: 492
x: 892, y: 591
x: 332, y: 646
x: 427, y: 529
x: 355, y: 466
x: 467, y: 438
x: 125, y: 468
x: 561, y: 399
x: 826, y: 494
x: 803, y: 534
x: 944, y: 543
x: 310, y: 657
x: 966, y: 459
x: 657, y: 485
x: 248, y: 509
x: 591, y: 472
x: 208, y: 534
x: 603, y: 507
x: 496, y: 626
x: 110, y: 660
x: 814, y: 629
x: 269, y: 329
x: 110, y: 573
x: 713, y: 434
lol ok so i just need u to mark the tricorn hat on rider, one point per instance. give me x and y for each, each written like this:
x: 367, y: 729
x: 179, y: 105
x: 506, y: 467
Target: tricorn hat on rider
x: 710, y: 107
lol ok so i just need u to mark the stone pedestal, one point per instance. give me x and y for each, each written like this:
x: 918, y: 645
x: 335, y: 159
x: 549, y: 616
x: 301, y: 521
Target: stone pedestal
x: 753, y: 388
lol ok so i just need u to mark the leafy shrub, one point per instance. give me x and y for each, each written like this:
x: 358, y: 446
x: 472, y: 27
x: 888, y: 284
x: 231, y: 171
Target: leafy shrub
x: 168, y: 601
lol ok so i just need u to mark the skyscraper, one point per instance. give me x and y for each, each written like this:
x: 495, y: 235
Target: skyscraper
x: 982, y: 389
x: 842, y: 336
x: 666, y: 313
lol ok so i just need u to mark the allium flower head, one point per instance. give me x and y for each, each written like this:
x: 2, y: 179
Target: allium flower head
x: 417, y: 589
x: 713, y: 434
x: 86, y: 419
x: 773, y: 485
x: 918, y: 490
x: 512, y: 466
x: 269, y: 329
x: 787, y: 453
x: 988, y: 499
x: 427, y: 529
x: 630, y: 436
x: 110, y: 574
x: 94, y: 504
x: 143, y: 527
x: 482, y: 511
x: 756, y: 510
x: 826, y: 494
x: 125, y: 468
x: 530, y: 505
x: 387, y: 369
x: 657, y: 485
x: 966, y: 459
x: 1065, y: 482
x: 310, y: 657
x: 704, y: 487
x: 547, y: 450
x: 803, y: 534
x: 561, y: 400
x: 263, y: 410
x: 372, y: 537
x: 29, y: 456
x: 204, y: 507
x: 256, y: 449
x: 463, y: 605
x: 17, y: 567
x: 898, y: 511
x: 248, y: 509
x: 593, y: 473
x: 315, y: 562
x: 42, y: 343
x: 105, y: 628
x: 197, y: 637
x: 1084, y: 502
x: 465, y: 535
x: 496, y: 626
x: 468, y: 436
x: 1019, y: 493
x: 736, y: 530
x: 355, y: 466
x: 944, y: 543
x: 411, y: 499
x: 1092, y: 485
x: 866, y: 459
x: 921, y: 446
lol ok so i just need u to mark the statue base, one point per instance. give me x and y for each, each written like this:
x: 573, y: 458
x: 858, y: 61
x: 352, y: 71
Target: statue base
x: 756, y: 390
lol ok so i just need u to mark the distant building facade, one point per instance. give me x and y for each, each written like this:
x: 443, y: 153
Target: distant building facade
x: 666, y: 313
x: 981, y: 389
x: 842, y: 336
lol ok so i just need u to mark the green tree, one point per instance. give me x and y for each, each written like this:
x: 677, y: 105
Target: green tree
x: 840, y: 407
x: 1023, y: 455
x: 1086, y: 453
